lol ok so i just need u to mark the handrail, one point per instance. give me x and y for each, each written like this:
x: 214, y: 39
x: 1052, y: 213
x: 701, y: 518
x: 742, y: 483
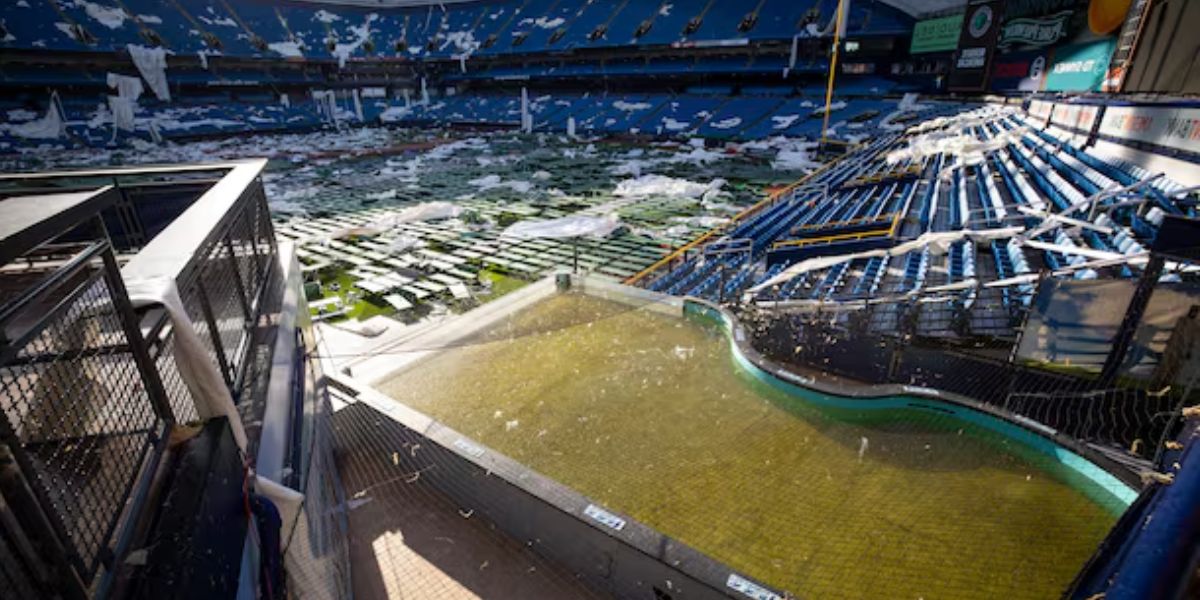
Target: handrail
x: 890, y: 217
x: 830, y: 239
x: 173, y: 252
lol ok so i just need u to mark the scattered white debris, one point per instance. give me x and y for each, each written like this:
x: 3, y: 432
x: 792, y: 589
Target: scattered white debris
x: 670, y: 124
x: 290, y: 49
x: 630, y: 106
x: 729, y: 123
x: 564, y: 227
x: 706, y: 222
x: 112, y: 17
x: 362, y: 33
x: 783, y: 121
x: 545, y: 23
x: 839, y: 105
x: 796, y: 156
x: 425, y: 211
x: 493, y: 181
x: 21, y: 114
x: 221, y: 21
x: 284, y: 207
x: 661, y: 185
x: 404, y: 243
x: 325, y: 16
x: 384, y: 195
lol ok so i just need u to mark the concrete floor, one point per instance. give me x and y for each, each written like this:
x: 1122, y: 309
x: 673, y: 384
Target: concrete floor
x: 408, y: 540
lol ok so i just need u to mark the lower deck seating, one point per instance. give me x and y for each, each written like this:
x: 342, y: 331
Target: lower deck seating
x: 966, y: 285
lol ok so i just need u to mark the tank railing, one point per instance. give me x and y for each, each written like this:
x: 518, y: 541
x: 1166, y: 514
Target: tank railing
x: 935, y: 340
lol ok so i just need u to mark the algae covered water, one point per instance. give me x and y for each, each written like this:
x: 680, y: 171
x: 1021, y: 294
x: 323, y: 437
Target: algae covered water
x: 647, y: 414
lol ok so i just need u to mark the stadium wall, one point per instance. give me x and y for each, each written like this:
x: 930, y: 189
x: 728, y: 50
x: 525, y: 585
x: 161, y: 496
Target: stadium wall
x: 1167, y: 59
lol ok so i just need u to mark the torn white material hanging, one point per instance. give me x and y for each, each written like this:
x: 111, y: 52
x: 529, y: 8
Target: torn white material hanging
x: 195, y: 365
x: 152, y: 64
x: 49, y: 127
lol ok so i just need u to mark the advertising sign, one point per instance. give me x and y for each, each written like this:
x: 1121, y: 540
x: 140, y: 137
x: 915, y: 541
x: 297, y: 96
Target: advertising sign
x: 1040, y: 108
x: 1023, y: 71
x: 1065, y: 116
x: 1177, y: 128
x: 976, y: 43
x: 936, y: 35
x: 1034, y: 32
x: 1079, y: 67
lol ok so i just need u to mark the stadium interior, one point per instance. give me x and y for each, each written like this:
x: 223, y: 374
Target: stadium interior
x: 599, y: 298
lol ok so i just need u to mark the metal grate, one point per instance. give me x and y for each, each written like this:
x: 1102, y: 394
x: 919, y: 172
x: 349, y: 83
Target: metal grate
x: 183, y: 407
x: 224, y: 294
x: 75, y: 402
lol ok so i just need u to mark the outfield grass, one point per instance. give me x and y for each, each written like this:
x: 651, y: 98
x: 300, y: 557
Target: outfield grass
x: 362, y: 309
x: 501, y: 284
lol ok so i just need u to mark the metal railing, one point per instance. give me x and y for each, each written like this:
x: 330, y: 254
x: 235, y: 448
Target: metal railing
x: 973, y: 349
x: 84, y: 411
x: 89, y: 387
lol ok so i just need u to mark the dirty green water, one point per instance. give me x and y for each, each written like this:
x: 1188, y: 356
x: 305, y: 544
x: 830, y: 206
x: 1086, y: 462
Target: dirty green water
x: 647, y: 414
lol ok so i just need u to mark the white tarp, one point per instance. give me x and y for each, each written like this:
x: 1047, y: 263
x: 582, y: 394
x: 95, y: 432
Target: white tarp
x: 195, y: 365
x: 938, y: 242
x: 122, y: 112
x: 286, y: 500
x: 404, y: 243
x: 152, y: 64
x: 425, y: 211
x: 129, y: 89
x: 326, y: 105
x: 908, y: 104
x: 49, y: 127
x: 459, y: 291
x: 398, y: 302
x: 661, y: 185
x: 968, y: 149
x: 565, y: 227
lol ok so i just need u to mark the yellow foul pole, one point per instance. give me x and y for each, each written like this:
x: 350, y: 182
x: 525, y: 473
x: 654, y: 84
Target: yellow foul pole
x: 833, y: 59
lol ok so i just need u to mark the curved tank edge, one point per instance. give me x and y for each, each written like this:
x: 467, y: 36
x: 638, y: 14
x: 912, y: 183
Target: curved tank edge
x: 1104, y: 473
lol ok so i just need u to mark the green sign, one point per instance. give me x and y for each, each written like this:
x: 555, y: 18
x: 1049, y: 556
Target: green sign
x: 936, y: 35
x: 1079, y: 67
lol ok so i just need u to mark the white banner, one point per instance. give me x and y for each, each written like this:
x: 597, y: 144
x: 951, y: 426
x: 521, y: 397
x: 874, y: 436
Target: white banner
x: 1040, y: 108
x: 1177, y: 128
x: 1074, y: 116
x: 1065, y: 115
